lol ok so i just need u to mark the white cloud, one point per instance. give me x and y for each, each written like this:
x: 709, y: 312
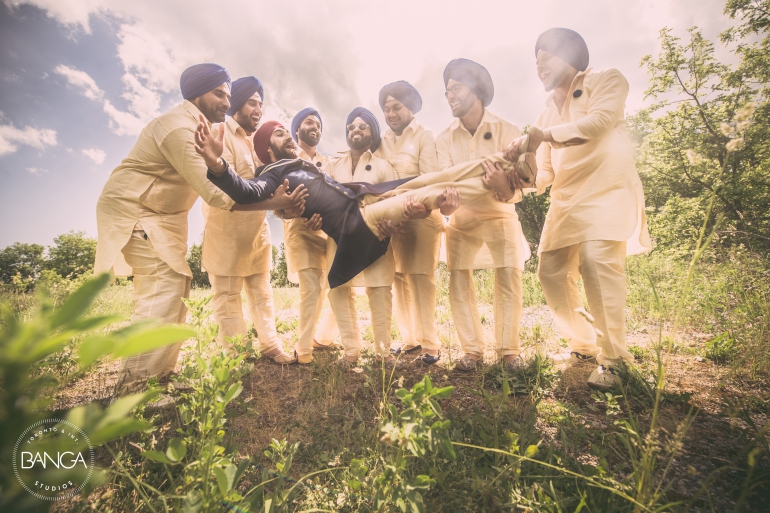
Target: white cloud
x: 82, y: 81
x: 11, y: 137
x: 95, y: 154
x: 36, y: 170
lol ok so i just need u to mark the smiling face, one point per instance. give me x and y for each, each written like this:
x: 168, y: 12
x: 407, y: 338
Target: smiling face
x: 309, y: 131
x: 282, y: 146
x: 460, y: 97
x: 397, y: 116
x: 553, y: 71
x: 214, y: 104
x: 249, y: 115
x: 359, y: 139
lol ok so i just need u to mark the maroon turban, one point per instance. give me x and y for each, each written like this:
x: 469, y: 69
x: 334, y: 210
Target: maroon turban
x: 262, y: 139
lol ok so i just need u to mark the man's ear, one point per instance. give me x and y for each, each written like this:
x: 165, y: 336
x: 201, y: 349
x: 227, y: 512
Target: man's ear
x: 271, y: 155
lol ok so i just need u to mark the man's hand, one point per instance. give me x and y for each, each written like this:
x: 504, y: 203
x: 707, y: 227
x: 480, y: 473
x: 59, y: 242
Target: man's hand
x: 387, y: 229
x: 210, y: 146
x: 496, y: 180
x: 511, y: 152
x: 414, y: 210
x: 293, y: 201
x: 314, y: 223
x: 448, y: 201
x: 516, y: 181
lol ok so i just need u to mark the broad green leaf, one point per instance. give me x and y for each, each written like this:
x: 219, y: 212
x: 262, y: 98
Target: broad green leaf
x: 176, y: 450
x: 233, y: 392
x: 117, y: 430
x: 93, y: 348
x: 151, y: 339
x: 79, y: 301
x: 157, y: 456
x: 531, y: 451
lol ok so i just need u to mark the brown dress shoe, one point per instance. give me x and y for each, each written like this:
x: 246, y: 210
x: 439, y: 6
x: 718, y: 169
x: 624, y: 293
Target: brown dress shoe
x: 317, y: 345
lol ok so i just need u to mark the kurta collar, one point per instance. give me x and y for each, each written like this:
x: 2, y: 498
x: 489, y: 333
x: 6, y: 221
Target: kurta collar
x: 488, y: 117
x: 549, y: 102
x: 413, y: 126
x: 194, y: 112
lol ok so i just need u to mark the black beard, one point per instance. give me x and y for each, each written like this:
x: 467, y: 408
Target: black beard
x: 306, y: 138
x: 363, y: 144
x: 280, y: 153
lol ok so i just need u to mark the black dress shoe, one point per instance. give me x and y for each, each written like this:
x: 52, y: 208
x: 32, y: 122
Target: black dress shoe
x: 429, y: 359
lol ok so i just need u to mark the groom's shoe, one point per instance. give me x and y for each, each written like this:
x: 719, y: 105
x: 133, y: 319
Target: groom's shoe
x: 526, y: 167
x: 534, y: 139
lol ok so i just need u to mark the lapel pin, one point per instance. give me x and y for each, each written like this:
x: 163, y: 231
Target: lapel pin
x: 577, y: 94
x: 488, y: 136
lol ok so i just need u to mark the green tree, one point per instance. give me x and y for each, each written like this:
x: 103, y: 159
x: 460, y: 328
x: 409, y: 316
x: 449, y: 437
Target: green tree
x: 708, y: 134
x: 24, y: 260
x: 279, y: 275
x: 200, y: 278
x: 72, y: 255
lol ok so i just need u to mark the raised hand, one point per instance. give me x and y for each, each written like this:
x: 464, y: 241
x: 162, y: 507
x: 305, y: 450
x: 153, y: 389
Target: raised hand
x: 210, y: 146
x: 314, y: 223
x: 448, y: 201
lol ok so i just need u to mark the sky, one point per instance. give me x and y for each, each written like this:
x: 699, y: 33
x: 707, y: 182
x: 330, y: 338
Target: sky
x: 79, y: 79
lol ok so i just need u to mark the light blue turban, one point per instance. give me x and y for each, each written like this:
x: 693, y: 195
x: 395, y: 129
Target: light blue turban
x: 199, y: 79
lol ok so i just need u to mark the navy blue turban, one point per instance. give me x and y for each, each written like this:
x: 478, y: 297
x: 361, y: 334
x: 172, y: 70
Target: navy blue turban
x: 243, y: 89
x: 565, y: 44
x: 199, y: 79
x: 474, y: 75
x: 369, y: 119
x: 300, y: 117
x: 404, y: 92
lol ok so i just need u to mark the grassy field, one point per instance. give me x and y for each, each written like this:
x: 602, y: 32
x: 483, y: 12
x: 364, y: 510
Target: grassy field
x: 539, y: 440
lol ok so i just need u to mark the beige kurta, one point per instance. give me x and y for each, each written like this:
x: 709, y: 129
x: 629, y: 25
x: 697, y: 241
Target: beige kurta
x: 381, y: 272
x: 156, y: 185
x: 416, y: 247
x: 237, y: 243
x: 484, y: 234
x: 305, y: 249
x: 596, y: 193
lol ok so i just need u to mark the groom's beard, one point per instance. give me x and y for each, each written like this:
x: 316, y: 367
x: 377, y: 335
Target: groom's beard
x: 287, y: 151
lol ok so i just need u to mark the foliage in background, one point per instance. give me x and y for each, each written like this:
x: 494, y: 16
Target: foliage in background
x: 200, y: 278
x: 279, y: 274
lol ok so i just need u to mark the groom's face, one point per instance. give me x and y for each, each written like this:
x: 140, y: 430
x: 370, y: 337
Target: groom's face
x: 282, y: 146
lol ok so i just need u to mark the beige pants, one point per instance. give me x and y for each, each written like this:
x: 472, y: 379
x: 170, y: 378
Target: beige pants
x: 313, y: 288
x: 228, y: 309
x: 600, y: 263
x: 415, y: 304
x: 343, y: 303
x: 158, y: 293
x: 508, y: 311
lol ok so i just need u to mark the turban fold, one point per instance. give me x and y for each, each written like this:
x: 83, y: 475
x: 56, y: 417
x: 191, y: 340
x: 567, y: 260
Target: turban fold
x: 474, y: 75
x: 300, y: 117
x: 262, y: 139
x: 565, y: 44
x: 404, y: 92
x: 369, y: 119
x: 199, y: 79
x: 243, y: 89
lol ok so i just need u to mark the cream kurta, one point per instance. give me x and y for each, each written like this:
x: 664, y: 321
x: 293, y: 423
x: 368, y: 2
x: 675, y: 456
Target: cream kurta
x: 305, y: 249
x: 596, y: 192
x: 486, y: 233
x: 237, y: 243
x: 157, y: 185
x: 381, y: 272
x: 416, y: 247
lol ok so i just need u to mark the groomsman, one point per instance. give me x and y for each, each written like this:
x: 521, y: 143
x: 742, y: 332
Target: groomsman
x: 306, y: 249
x: 237, y: 252
x: 485, y: 234
x: 142, y: 212
x: 411, y: 150
x: 596, y: 216
x: 360, y: 164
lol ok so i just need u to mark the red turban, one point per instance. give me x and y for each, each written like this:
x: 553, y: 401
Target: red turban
x: 262, y: 139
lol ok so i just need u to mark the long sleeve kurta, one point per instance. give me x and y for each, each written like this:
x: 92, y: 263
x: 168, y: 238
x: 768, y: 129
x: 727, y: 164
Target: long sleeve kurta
x: 236, y: 243
x: 596, y: 193
x: 381, y: 272
x: 416, y: 247
x: 484, y: 234
x: 155, y: 185
x: 305, y: 249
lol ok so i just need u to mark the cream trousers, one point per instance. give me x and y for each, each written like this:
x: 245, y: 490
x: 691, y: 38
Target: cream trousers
x: 228, y: 309
x: 343, y: 303
x: 415, y: 305
x: 158, y: 293
x: 601, y: 264
x: 508, y: 311
x: 313, y: 288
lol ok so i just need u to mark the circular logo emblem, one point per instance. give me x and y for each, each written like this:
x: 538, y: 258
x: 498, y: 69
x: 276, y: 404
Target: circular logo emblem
x: 53, y: 459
